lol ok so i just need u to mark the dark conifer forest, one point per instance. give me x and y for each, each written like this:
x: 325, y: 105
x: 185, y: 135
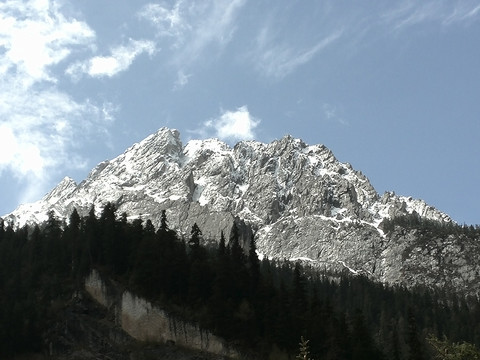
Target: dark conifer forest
x: 262, y: 307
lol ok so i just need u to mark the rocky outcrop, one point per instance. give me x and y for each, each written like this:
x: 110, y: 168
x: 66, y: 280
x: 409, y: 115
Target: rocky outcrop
x: 419, y: 256
x: 298, y: 200
x: 148, y: 323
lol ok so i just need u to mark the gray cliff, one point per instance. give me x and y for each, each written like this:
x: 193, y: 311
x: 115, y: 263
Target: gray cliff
x: 146, y: 322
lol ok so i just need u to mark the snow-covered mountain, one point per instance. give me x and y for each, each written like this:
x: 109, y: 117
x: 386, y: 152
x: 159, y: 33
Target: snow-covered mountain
x: 299, y: 200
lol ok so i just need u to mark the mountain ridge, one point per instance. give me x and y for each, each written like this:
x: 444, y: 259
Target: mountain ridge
x: 174, y: 153
x: 298, y: 200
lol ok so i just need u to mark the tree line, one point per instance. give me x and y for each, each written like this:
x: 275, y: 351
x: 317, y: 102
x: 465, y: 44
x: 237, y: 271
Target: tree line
x: 260, y: 306
x: 430, y: 226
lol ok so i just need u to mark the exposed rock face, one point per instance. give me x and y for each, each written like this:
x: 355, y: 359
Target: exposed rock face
x: 298, y: 199
x: 146, y: 322
x: 448, y: 261
x: 84, y: 329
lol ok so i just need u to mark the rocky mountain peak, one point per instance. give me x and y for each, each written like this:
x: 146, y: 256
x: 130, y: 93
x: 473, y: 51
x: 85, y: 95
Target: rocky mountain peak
x: 259, y: 182
x: 62, y: 190
x: 165, y: 141
x: 197, y: 152
x: 298, y: 199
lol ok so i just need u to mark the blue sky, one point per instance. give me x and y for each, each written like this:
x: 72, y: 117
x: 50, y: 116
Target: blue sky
x: 391, y: 87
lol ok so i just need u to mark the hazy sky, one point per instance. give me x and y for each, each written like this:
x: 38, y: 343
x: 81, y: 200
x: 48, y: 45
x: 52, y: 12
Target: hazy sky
x: 392, y: 87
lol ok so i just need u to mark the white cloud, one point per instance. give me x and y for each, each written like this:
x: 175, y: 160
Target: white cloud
x: 120, y: 59
x: 410, y: 13
x: 331, y: 113
x: 36, y: 35
x: 40, y: 132
x: 278, y: 61
x: 233, y: 125
x: 193, y: 26
x: 167, y: 21
x: 182, y: 80
x: 41, y: 127
x: 278, y: 52
x: 462, y: 12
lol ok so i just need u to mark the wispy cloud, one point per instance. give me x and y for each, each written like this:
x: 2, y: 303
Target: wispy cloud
x: 41, y: 126
x: 167, y: 21
x: 462, y: 12
x: 191, y: 27
x: 120, y: 59
x: 277, y: 53
x: 182, y: 80
x: 410, y: 13
x: 331, y: 113
x: 278, y: 61
x: 233, y: 125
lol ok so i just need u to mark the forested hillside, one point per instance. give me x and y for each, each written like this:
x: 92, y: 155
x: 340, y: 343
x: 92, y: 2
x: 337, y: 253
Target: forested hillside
x: 262, y: 307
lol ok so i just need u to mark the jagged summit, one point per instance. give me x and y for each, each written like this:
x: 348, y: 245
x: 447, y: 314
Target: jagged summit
x: 259, y: 182
x: 298, y: 199
x: 62, y: 190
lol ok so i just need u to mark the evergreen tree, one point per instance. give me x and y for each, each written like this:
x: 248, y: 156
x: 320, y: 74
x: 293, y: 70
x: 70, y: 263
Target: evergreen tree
x: 253, y: 265
x: 219, y: 302
x: 37, y: 257
x: 109, y: 247
x: 72, y: 238
x: 2, y: 229
x: 445, y: 350
x: 299, y: 301
x: 363, y: 345
x: 195, y: 235
x: 262, y: 306
x: 416, y: 351
x: 56, y: 250
x: 238, y: 269
x: 163, y: 221
x: 395, y: 350
x: 200, y: 278
x: 304, y: 353
x: 222, y: 250
x: 149, y: 230
x: 92, y: 239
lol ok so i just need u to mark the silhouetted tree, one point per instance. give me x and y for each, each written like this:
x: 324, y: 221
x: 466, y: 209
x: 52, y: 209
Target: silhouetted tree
x: 195, y: 235
x: 253, y: 265
x: 163, y: 221
x: 415, y: 346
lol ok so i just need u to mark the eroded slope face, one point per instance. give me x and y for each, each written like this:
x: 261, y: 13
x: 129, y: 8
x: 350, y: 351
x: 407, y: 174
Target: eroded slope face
x: 301, y: 202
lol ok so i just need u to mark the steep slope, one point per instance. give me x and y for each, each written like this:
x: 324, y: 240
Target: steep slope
x: 299, y: 200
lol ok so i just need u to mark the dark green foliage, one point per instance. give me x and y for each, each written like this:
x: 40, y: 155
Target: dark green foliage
x: 253, y: 265
x: 195, y: 235
x: 163, y: 221
x: 415, y: 347
x: 201, y: 273
x: 33, y: 267
x: 362, y: 344
x: 260, y: 306
x: 431, y: 227
x: 445, y: 350
x: 304, y: 353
